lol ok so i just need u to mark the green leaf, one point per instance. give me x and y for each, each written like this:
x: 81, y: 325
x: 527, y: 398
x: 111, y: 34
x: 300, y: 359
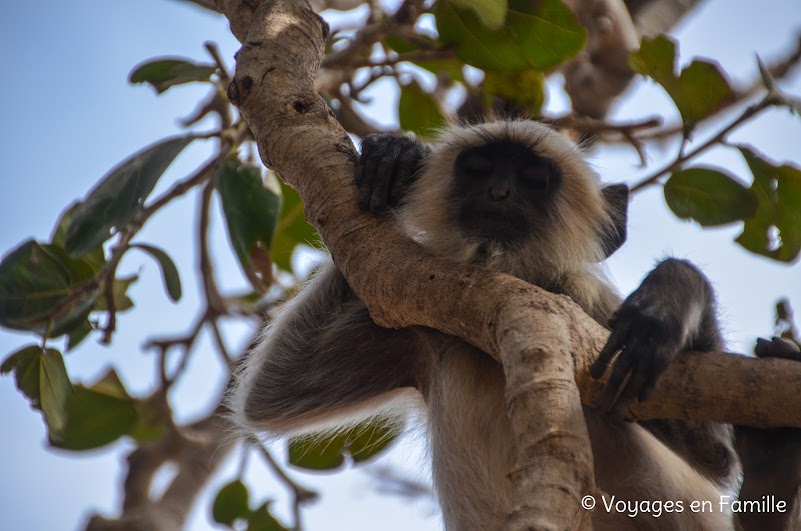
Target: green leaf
x: 149, y: 426
x: 709, y: 196
x: 54, y: 389
x: 96, y: 257
x: 119, y: 196
x: 491, y: 12
x: 400, y: 45
x: 538, y: 35
x: 24, y: 363
x: 262, y: 520
x: 169, y: 273
x: 526, y: 88
x: 121, y: 300
x: 95, y: 419
x: 292, y: 228
x: 418, y: 111
x: 41, y: 376
x: 370, y: 440
x: 102, y: 413
x: 35, y: 280
x: 317, y: 452
x: 452, y: 66
x: 698, y: 91
x: 163, y: 73
x: 775, y: 230
x: 78, y: 333
x: 251, y: 214
x: 231, y: 503
x: 360, y: 442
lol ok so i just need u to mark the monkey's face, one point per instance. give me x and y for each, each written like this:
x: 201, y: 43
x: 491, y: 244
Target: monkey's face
x: 504, y: 191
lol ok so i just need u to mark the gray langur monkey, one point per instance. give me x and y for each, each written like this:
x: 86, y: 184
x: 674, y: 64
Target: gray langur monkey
x: 516, y: 197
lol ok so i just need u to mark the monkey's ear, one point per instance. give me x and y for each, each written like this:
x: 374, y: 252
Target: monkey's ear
x: 616, y: 197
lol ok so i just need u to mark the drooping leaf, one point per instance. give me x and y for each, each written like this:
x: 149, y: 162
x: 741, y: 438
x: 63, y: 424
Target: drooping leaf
x: 292, y: 228
x: 775, y: 230
x: 538, y: 35
x: 251, y: 214
x: 24, y: 363
x: 169, y: 273
x: 231, y: 503
x: 263, y: 520
x: 41, y: 376
x: 360, y: 442
x: 418, y: 111
x: 36, y: 280
x: 709, y: 196
x: 698, y: 91
x: 54, y: 389
x: 165, y: 72
x: 114, y: 202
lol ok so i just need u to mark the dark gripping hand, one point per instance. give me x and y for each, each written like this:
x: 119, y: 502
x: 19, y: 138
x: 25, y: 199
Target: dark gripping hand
x: 388, y: 166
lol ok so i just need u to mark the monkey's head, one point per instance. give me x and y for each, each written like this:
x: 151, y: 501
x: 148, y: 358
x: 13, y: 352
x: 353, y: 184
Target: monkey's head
x: 514, y: 192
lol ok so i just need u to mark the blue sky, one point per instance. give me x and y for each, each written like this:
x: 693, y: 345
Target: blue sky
x: 69, y: 116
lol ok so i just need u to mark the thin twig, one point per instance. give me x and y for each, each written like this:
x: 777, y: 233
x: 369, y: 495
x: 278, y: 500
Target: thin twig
x: 752, y: 110
x: 301, y: 495
x: 214, y: 51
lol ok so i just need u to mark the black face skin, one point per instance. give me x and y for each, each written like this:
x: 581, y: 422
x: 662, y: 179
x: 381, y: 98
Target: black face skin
x: 504, y: 189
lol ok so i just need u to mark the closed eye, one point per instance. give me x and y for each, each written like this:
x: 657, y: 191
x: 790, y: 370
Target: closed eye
x: 476, y: 164
x: 535, y: 176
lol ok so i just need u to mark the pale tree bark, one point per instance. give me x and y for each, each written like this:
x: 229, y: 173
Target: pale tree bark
x: 545, y: 366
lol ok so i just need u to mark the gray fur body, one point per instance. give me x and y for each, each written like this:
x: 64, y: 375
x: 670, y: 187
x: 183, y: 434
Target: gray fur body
x: 323, y: 364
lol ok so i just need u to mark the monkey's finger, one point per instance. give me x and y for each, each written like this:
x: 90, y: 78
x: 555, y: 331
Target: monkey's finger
x: 386, y: 174
x: 407, y: 165
x: 658, y: 367
x: 620, y: 373
x: 615, y: 342
x: 638, y: 378
x: 368, y: 167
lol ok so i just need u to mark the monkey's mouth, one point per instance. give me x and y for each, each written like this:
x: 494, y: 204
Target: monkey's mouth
x: 489, y: 224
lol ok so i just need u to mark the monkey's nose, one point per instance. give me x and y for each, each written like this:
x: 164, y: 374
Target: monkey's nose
x: 498, y: 193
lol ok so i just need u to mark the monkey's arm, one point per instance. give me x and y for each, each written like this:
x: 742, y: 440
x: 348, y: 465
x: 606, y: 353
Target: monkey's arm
x: 323, y: 362
x: 672, y: 311
x: 771, y: 461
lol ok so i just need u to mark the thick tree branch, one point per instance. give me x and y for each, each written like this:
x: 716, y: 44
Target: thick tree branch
x: 299, y: 137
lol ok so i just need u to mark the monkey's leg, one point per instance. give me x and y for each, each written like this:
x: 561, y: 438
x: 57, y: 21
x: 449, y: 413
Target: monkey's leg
x: 771, y: 461
x: 322, y: 362
x: 672, y: 311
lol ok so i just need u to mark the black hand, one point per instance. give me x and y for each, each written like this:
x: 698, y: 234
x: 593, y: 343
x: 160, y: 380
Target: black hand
x: 387, y: 168
x: 647, y: 344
